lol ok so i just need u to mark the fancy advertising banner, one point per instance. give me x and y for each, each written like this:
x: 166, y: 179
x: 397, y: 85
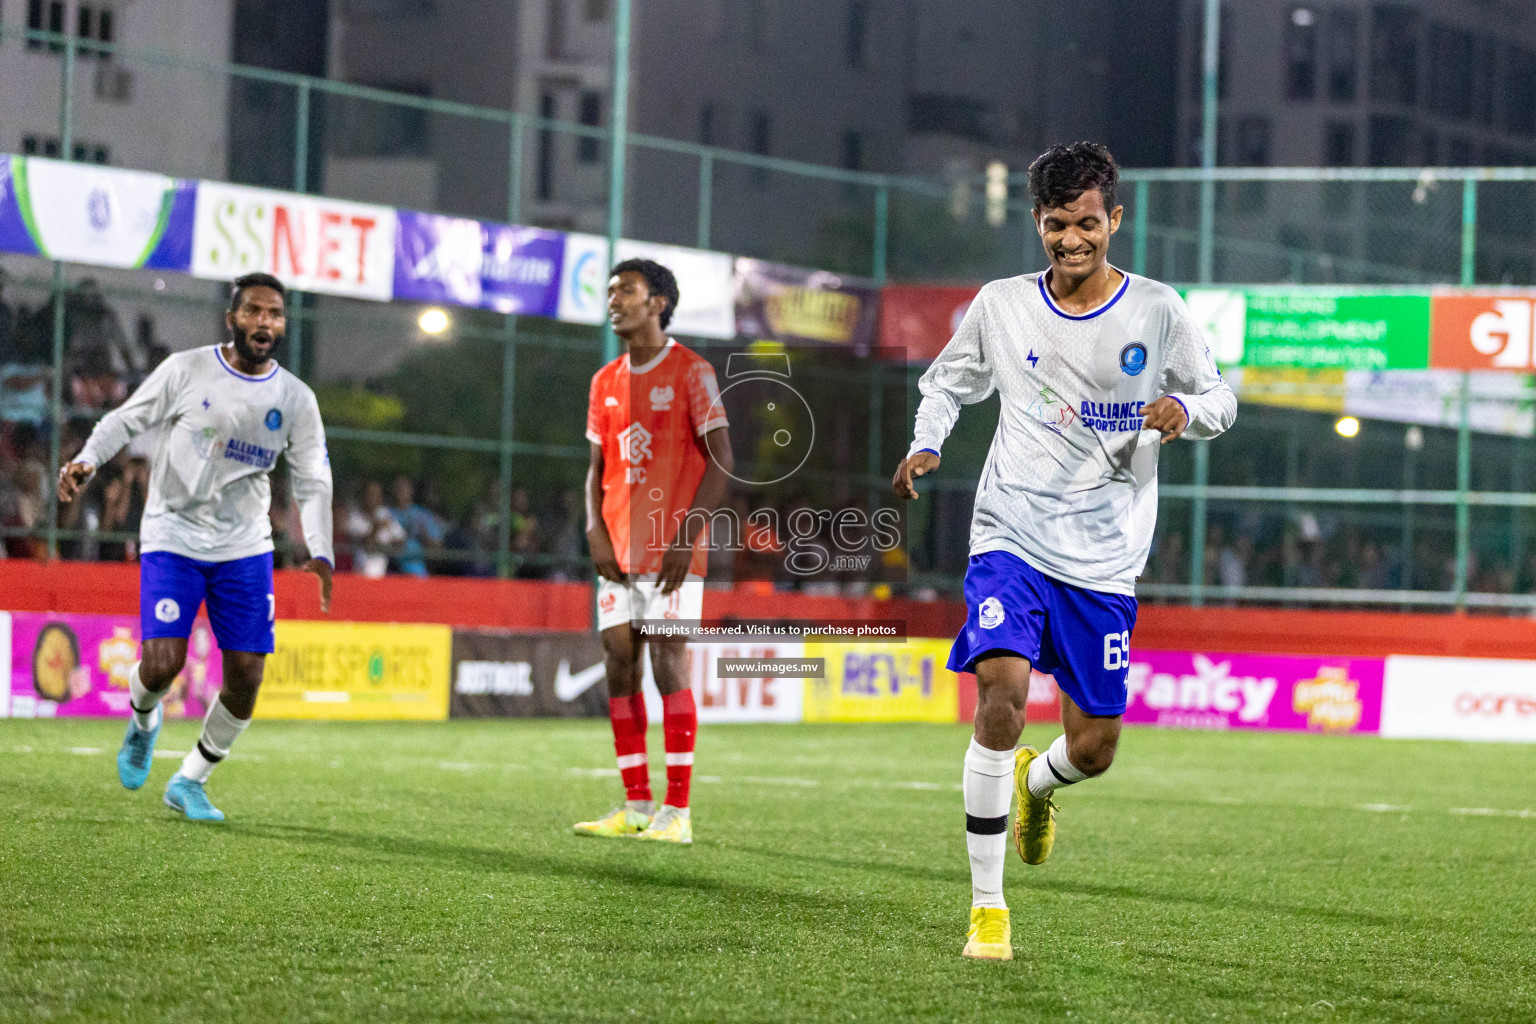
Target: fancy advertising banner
x: 502, y: 267
x: 64, y: 666
x: 775, y: 302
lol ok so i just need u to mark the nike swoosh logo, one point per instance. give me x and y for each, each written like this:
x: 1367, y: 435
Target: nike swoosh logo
x: 568, y: 687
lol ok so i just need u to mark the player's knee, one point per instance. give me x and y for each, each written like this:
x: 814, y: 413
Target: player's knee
x: 1093, y: 755
x: 159, y: 666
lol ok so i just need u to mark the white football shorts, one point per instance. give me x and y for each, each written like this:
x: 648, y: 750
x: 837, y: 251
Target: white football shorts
x: 641, y: 598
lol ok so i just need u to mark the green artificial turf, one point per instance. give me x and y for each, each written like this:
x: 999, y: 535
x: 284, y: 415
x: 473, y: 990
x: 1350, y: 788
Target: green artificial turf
x: 427, y: 872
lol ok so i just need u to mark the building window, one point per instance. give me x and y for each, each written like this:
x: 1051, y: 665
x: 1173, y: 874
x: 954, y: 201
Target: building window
x: 1484, y: 71
x: 83, y: 152
x: 1342, y: 40
x: 365, y: 128
x: 596, y: 10
x: 707, y: 126
x: 1391, y: 142
x: 1300, y: 55
x: 858, y: 29
x: 1251, y: 149
x: 1339, y: 144
x: 591, y: 115
x: 544, y: 176
x: 1520, y: 91
x: 761, y: 143
x: 1450, y: 72
x: 1395, y: 54
x: 853, y: 151
x: 45, y: 16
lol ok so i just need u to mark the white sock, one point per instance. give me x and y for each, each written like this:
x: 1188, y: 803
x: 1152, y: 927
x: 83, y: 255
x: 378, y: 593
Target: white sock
x: 1052, y: 770
x: 141, y: 697
x: 220, y: 730
x: 987, y: 783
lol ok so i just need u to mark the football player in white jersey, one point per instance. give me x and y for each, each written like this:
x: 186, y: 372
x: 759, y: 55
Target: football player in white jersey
x: 1096, y: 369
x: 227, y: 412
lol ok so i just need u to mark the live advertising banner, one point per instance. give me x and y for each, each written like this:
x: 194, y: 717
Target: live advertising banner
x: 1459, y: 699
x: 357, y: 671
x: 775, y: 302
x: 889, y: 682
x: 59, y: 665
x: 87, y: 213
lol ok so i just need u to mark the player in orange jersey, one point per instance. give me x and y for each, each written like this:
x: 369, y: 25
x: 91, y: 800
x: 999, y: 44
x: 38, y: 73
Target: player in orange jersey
x: 661, y: 457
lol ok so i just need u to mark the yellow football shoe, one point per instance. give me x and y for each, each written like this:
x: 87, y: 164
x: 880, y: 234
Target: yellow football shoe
x: 1034, y: 818
x: 625, y: 821
x: 991, y: 935
x: 671, y: 825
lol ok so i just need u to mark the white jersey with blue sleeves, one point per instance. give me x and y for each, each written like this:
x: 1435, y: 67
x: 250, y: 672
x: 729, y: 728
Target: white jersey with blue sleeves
x: 222, y: 431
x: 1070, y: 483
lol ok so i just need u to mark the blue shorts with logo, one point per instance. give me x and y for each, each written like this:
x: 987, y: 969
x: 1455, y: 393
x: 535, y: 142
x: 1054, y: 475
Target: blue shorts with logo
x: 1080, y: 636
x: 241, y: 607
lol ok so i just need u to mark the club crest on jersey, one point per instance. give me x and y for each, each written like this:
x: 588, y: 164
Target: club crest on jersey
x: 274, y: 419
x: 1053, y: 413
x: 991, y: 613
x: 1133, y: 358
x: 610, y: 402
x: 207, y: 444
x: 635, y: 446
x: 661, y: 398
x: 167, y: 610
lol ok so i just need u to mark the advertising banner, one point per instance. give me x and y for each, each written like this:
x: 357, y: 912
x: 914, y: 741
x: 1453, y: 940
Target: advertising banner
x: 65, y: 666
x: 1192, y: 690
x: 311, y: 243
x: 919, y: 319
x: 1482, y: 330
x: 88, y: 213
x: 896, y: 682
x: 1313, y: 328
x: 527, y: 675
x: 706, y: 305
x: 1502, y: 402
x: 742, y: 699
x: 794, y: 306
x: 1459, y: 699
x: 1043, y: 705
x: 503, y: 267
x: 357, y: 671
x: 584, y: 280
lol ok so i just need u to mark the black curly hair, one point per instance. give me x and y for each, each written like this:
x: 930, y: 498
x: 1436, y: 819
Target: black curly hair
x: 1063, y: 173
x: 254, y: 280
x: 658, y: 279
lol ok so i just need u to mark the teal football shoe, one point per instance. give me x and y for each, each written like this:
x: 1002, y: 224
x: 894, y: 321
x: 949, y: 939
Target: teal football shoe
x: 188, y: 797
x: 138, y: 750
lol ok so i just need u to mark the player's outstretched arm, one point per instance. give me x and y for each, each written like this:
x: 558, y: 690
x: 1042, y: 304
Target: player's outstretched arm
x: 309, y: 470
x: 913, y: 466
x: 149, y: 406
x: 599, y: 543
x: 321, y: 568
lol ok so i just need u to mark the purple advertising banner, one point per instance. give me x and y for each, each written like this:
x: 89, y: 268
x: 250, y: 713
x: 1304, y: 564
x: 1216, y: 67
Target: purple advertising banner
x: 503, y: 267
x: 77, y: 666
x: 1187, y: 690
x: 791, y: 305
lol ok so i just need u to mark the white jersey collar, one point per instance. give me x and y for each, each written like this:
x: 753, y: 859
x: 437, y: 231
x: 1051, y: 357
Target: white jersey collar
x: 653, y: 362
x: 1045, y: 293
x: 218, y: 351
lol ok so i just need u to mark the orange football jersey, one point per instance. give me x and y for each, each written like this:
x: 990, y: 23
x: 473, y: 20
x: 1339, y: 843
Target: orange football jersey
x: 651, y: 421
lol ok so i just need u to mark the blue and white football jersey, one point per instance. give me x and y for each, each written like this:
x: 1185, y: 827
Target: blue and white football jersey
x: 1070, y: 483
x: 221, y: 434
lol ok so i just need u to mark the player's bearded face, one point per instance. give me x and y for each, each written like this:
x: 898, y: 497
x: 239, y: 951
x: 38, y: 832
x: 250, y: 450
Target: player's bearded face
x: 257, y: 329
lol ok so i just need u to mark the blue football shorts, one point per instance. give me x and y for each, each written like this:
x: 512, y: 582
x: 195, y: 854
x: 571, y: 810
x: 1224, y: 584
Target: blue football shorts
x: 1080, y: 636
x: 241, y: 606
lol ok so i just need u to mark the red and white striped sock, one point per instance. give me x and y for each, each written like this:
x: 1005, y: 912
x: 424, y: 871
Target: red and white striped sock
x: 679, y: 725
x: 629, y: 744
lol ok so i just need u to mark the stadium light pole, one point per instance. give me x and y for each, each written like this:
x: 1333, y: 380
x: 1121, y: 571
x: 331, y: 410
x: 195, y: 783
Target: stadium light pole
x: 56, y: 381
x: 1210, y: 96
x: 619, y: 134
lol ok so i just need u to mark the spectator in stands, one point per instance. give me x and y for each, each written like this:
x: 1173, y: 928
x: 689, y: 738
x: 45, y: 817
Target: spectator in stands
x: 123, y: 497
x: 93, y: 330
x: 375, y: 533
x: 30, y: 479
x: 422, y: 530
x: 525, y: 536
x: 567, y: 538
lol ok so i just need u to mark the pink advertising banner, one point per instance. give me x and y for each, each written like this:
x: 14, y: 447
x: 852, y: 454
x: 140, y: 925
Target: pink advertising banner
x: 1189, y: 690
x: 77, y: 666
